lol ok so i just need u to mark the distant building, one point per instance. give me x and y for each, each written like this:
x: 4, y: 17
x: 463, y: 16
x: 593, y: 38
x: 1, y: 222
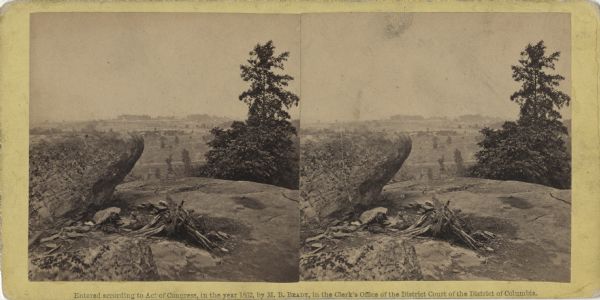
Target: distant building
x: 407, y: 118
x: 134, y: 117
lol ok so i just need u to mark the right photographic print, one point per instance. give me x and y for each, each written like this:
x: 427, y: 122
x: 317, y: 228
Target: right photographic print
x: 435, y: 146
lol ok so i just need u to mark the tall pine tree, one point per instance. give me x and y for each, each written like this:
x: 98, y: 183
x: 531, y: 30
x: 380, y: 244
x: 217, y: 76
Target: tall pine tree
x: 260, y: 149
x: 532, y: 149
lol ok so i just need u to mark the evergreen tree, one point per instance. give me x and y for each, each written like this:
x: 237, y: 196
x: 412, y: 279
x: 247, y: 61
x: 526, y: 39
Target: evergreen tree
x: 169, y: 161
x: 261, y: 148
x: 532, y: 149
x: 458, y: 161
x: 441, y: 163
x: 187, y: 162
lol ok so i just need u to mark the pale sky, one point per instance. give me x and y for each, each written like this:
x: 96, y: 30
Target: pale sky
x: 354, y: 66
x: 360, y: 66
x: 99, y: 65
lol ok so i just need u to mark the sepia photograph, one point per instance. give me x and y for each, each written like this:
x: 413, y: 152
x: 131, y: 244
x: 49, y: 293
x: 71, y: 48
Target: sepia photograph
x: 164, y: 146
x: 299, y: 149
x: 436, y: 146
x: 174, y: 146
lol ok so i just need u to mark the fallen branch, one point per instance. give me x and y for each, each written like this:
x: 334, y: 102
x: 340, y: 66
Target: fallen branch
x: 174, y: 220
x: 438, y: 220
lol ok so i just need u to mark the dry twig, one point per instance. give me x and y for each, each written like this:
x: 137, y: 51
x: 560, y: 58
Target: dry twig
x: 439, y: 220
x: 172, y: 220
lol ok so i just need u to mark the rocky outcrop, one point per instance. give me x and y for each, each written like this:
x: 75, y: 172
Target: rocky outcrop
x: 383, y: 259
x: 120, y: 259
x: 531, y: 224
x: 262, y: 222
x: 71, y: 174
x: 346, y: 171
x: 177, y: 261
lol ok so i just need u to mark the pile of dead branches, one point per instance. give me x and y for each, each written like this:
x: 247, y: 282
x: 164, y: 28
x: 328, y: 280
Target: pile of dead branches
x: 173, y: 220
x: 439, y: 221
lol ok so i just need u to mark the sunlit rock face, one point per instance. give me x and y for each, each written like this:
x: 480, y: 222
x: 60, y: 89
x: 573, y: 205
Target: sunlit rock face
x: 69, y: 174
x: 348, y: 170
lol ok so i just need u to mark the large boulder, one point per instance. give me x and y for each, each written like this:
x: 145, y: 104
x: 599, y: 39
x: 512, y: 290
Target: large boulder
x: 342, y: 172
x: 71, y: 174
x: 178, y: 261
x: 384, y: 258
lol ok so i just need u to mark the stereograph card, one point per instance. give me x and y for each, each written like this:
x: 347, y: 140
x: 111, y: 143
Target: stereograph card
x: 299, y: 150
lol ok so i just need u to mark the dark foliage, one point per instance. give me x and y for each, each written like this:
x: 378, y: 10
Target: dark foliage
x: 532, y: 149
x: 458, y: 161
x: 524, y: 153
x: 441, y: 163
x: 187, y: 162
x: 169, y: 162
x: 262, y: 148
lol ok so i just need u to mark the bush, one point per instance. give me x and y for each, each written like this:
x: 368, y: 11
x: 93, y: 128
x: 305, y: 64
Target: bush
x: 255, y: 153
x: 531, y: 149
x: 523, y: 153
x: 261, y: 148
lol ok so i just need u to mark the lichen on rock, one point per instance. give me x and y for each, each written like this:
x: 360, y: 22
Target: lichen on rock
x: 345, y: 171
x: 70, y: 174
x: 120, y: 259
x: 383, y: 259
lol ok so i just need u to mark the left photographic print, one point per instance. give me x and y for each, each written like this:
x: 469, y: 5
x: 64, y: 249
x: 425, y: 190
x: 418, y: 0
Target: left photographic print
x: 164, y: 146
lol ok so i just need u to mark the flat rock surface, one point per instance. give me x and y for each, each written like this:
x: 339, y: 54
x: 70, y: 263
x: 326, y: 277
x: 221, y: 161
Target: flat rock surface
x: 263, y: 222
x: 532, y: 223
x: 178, y: 261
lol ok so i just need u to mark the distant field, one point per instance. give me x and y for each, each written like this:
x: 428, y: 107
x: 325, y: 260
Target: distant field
x: 177, y: 134
x: 424, y: 156
x: 154, y: 156
x: 191, y: 135
x: 463, y: 136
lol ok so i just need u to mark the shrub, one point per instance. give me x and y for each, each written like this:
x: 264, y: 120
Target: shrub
x: 261, y: 148
x: 532, y: 149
